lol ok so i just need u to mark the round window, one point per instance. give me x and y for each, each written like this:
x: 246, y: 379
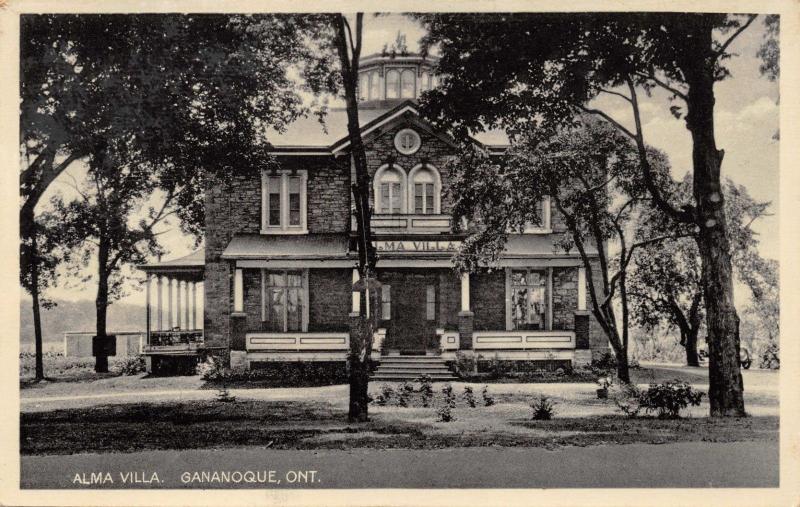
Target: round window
x: 407, y: 141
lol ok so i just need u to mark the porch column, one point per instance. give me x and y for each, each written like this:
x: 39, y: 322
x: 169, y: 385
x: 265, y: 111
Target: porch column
x: 178, y: 320
x: 169, y: 303
x: 159, y: 293
x: 583, y: 350
x: 465, y: 316
x: 194, y: 305
x: 238, y: 291
x: 356, y: 295
x: 148, y: 280
x: 186, y: 304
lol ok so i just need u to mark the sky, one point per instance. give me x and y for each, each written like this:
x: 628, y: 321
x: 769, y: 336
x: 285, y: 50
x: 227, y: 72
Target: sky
x: 746, y: 118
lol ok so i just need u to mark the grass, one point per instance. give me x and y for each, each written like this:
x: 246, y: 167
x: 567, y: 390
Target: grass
x: 314, y: 425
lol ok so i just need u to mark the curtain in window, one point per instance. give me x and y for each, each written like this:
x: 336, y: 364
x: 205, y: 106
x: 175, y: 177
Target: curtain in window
x: 284, y: 301
x: 529, y: 299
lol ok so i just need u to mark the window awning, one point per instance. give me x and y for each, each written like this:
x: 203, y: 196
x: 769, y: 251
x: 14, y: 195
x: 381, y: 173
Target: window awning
x: 307, y: 250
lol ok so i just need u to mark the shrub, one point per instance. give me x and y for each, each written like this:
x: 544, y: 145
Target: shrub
x: 406, y: 390
x: 385, y: 395
x: 425, y: 389
x: 445, y: 413
x: 469, y: 396
x: 130, y: 365
x: 770, y: 357
x: 211, y: 369
x: 449, y: 396
x: 465, y: 365
x: 488, y: 400
x: 543, y: 408
x: 627, y: 397
x: 604, y: 366
x: 669, y: 398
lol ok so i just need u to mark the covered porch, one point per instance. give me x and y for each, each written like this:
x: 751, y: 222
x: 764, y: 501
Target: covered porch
x: 174, y: 319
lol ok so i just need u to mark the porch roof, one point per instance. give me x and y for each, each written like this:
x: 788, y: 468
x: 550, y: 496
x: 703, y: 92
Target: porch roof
x: 189, y: 267
x: 295, y: 247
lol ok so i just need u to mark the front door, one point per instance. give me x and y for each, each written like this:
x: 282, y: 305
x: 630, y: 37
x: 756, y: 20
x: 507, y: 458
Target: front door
x: 411, y: 326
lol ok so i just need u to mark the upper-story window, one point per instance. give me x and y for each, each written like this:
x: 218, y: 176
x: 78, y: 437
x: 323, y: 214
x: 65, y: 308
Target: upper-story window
x: 283, y: 202
x: 389, y: 189
x: 374, y: 85
x: 392, y: 84
x: 425, y: 186
x: 407, y: 84
x: 424, y: 82
x: 363, y: 87
x: 544, y: 224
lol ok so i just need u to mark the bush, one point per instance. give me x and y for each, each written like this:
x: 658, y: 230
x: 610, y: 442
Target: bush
x: 469, y: 396
x: 449, y: 397
x: 385, y: 395
x: 211, y: 369
x: 445, y: 413
x: 488, y: 400
x: 604, y: 366
x: 543, y: 408
x: 130, y: 365
x: 627, y: 397
x: 425, y: 389
x: 224, y: 396
x: 669, y: 398
x: 465, y: 365
x: 770, y: 357
x: 406, y: 390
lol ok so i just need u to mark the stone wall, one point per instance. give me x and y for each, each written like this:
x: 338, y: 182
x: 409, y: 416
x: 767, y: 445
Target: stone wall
x: 487, y: 300
x: 329, y: 299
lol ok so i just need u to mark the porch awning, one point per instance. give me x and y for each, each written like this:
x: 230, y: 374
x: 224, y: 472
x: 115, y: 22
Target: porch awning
x: 190, y: 267
x: 308, y: 250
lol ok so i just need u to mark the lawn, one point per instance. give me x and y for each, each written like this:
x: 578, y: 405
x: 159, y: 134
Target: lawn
x: 129, y: 413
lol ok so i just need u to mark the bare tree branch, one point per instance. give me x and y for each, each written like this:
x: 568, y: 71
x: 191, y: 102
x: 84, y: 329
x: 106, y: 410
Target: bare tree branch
x: 741, y: 29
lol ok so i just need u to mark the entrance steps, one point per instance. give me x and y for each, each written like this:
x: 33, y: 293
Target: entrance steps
x: 410, y: 368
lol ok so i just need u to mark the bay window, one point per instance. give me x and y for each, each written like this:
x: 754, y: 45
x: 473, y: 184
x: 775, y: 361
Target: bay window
x: 283, y: 196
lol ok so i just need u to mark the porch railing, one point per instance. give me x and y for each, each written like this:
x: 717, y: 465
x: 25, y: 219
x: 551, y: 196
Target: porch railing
x: 298, y: 341
x: 522, y: 340
x: 186, y: 337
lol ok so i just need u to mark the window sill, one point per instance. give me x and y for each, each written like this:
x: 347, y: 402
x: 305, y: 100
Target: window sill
x: 283, y: 231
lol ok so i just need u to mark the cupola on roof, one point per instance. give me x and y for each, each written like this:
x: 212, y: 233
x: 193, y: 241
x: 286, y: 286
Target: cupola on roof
x: 390, y: 77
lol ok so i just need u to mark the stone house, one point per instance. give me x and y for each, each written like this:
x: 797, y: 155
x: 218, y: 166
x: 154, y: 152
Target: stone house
x: 279, y: 257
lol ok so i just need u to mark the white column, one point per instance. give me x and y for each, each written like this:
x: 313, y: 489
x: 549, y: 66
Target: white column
x: 147, y: 307
x: 581, y: 288
x: 186, y: 305
x: 178, y: 320
x: 194, y: 305
x: 238, y: 291
x: 465, y: 292
x: 160, y: 292
x: 356, y: 294
x: 169, y: 303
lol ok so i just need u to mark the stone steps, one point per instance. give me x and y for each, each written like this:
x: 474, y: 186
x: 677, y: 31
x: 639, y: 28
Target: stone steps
x: 410, y: 368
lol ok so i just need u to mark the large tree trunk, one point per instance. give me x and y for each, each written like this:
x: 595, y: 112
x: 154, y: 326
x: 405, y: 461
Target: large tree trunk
x: 33, y: 265
x: 725, y: 378
x: 690, y: 342
x: 361, y: 340
x: 101, y: 307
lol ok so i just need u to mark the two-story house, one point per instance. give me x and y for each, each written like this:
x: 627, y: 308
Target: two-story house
x: 278, y: 267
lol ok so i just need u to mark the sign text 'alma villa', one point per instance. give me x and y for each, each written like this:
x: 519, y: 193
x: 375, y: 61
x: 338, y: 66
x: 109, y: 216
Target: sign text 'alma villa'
x: 417, y: 246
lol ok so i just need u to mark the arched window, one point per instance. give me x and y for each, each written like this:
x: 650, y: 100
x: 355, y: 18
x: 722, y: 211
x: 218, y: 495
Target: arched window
x: 425, y: 188
x: 392, y: 84
x: 424, y: 82
x: 389, y: 189
x: 407, y: 84
x: 363, y: 86
x: 374, y: 86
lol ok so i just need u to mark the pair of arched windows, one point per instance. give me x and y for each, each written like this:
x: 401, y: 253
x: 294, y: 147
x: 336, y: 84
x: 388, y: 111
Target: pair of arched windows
x: 418, y: 192
x: 401, y: 84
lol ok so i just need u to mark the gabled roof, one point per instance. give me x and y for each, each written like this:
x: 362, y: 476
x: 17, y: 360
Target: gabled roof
x: 307, y: 136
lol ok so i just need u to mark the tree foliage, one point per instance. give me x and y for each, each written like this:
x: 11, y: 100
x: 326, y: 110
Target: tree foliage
x: 591, y: 173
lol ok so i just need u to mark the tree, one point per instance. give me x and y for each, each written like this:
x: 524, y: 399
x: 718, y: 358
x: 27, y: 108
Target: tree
x: 590, y: 171
x: 348, y: 48
x: 111, y: 223
x: 516, y: 70
x: 666, y: 278
x: 193, y: 93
